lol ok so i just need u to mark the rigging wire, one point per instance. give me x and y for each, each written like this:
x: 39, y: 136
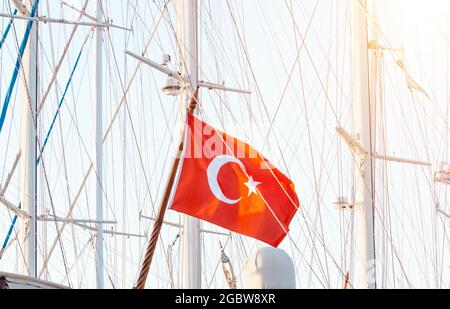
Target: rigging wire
x: 61, y: 102
x: 23, y: 45
x: 8, y: 28
x: 324, y: 160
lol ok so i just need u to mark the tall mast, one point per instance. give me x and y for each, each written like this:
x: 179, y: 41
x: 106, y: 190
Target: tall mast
x: 98, y: 147
x: 375, y: 54
x: 186, y: 14
x: 28, y: 230
x: 186, y: 36
x: 362, y: 113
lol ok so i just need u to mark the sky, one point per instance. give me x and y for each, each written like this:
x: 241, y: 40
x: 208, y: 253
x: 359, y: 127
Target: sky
x: 295, y: 57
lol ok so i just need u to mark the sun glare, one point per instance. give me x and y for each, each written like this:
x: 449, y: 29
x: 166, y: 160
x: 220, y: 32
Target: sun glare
x: 430, y: 16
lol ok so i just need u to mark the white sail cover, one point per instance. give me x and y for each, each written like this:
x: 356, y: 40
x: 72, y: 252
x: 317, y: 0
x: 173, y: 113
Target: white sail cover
x: 269, y: 268
x: 13, y: 281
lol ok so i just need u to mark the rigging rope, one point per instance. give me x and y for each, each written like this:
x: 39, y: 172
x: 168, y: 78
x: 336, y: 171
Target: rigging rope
x: 55, y: 117
x: 23, y: 45
x: 8, y: 236
x: 151, y: 247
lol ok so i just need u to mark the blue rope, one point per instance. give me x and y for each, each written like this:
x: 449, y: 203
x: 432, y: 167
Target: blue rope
x: 23, y: 45
x: 59, y: 108
x: 11, y: 229
x: 5, y: 34
x: 55, y: 117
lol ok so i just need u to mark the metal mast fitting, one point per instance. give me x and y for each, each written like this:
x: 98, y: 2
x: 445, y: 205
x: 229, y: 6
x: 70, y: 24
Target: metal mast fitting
x: 227, y: 268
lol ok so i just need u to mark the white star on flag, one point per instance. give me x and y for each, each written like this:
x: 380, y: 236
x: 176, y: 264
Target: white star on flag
x: 251, y: 185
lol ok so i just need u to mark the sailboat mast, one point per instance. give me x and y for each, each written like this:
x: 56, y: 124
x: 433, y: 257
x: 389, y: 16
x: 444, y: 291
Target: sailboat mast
x: 375, y: 83
x: 98, y: 146
x: 362, y: 113
x: 28, y: 230
x: 187, y: 37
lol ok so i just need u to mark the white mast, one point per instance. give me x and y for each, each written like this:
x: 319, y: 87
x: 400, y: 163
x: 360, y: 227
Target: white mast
x: 363, y: 134
x: 186, y: 14
x: 28, y: 260
x: 375, y: 54
x: 98, y: 147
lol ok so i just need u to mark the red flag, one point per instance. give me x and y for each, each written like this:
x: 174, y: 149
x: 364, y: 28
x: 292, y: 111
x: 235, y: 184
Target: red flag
x: 226, y: 182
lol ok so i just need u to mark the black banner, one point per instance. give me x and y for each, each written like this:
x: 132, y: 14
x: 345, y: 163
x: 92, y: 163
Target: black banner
x: 130, y: 299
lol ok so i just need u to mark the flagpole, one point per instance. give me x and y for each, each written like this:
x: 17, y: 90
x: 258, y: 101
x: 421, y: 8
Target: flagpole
x: 159, y: 221
x: 150, y: 252
x: 186, y: 15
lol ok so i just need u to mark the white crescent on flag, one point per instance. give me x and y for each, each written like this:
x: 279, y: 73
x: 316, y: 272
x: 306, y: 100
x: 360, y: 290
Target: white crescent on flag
x: 213, y: 170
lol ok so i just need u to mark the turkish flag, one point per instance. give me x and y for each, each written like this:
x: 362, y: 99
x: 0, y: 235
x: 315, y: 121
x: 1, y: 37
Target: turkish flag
x: 228, y: 183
